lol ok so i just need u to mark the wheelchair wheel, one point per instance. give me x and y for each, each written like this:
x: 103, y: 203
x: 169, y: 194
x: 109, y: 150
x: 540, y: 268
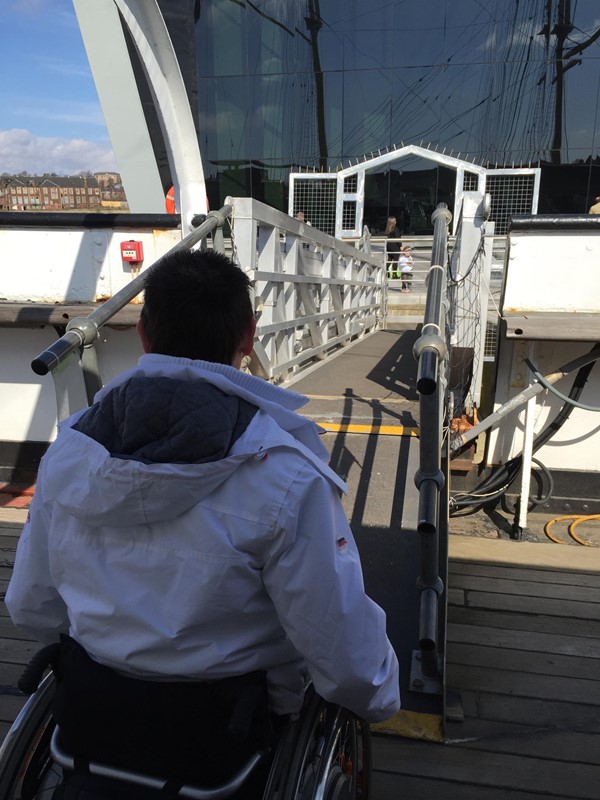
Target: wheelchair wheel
x: 27, y: 770
x: 324, y: 755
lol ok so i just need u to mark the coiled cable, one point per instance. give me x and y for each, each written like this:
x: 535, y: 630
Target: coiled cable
x: 499, y: 481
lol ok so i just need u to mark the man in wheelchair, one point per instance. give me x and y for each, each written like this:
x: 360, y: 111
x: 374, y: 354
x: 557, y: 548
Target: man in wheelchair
x: 187, y: 546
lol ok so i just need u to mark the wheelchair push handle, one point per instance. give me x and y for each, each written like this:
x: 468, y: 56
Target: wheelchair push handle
x: 34, y: 671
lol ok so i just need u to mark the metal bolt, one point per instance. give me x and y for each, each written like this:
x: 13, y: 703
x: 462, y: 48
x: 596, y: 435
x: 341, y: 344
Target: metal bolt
x: 418, y: 683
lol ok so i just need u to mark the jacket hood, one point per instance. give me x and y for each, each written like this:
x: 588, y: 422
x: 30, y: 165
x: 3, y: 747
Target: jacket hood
x: 149, y: 450
x: 144, y: 454
x: 167, y: 420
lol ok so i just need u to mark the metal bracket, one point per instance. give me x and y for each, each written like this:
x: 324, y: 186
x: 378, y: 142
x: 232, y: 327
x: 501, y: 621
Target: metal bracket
x: 419, y: 682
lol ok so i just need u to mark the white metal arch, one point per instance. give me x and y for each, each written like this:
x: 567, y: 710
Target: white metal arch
x: 349, y: 192
x: 153, y: 43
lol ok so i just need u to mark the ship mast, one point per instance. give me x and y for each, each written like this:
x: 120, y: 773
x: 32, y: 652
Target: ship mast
x: 314, y: 23
x: 564, y: 59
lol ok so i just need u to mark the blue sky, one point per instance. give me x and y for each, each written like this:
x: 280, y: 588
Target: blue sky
x: 50, y: 117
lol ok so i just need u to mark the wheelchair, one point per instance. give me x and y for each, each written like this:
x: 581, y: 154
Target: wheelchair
x: 323, y: 753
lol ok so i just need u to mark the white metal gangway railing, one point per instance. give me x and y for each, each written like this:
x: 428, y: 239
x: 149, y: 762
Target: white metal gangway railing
x: 312, y: 294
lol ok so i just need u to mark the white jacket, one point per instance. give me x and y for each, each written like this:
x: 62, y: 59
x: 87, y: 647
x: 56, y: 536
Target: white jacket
x: 206, y: 570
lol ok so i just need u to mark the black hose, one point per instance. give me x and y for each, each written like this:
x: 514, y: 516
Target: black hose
x: 539, y: 501
x: 500, y: 480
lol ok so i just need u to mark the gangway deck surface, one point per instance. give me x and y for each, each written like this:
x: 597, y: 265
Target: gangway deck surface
x: 367, y: 401
x: 523, y: 618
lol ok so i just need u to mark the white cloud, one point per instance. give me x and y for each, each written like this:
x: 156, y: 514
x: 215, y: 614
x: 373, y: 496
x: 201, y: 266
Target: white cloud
x: 21, y: 150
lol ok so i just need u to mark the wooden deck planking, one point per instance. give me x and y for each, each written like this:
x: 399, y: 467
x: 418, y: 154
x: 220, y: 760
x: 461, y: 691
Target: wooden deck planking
x: 387, y: 787
x: 525, y: 658
x: 453, y: 768
x: 528, y: 591
x: 523, y: 652
x: 539, y: 623
x: 484, y: 656
x: 529, y: 641
x: 15, y: 647
x: 501, y: 601
x: 527, y: 574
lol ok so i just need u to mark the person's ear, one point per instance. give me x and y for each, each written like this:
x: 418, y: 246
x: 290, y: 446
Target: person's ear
x: 247, y: 343
x: 143, y: 338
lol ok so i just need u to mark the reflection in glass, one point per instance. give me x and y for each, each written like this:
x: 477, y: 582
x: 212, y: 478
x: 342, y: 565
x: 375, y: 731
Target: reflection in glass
x: 319, y: 82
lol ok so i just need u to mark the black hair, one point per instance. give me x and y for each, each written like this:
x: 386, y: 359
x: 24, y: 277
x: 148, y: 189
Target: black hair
x: 196, y: 305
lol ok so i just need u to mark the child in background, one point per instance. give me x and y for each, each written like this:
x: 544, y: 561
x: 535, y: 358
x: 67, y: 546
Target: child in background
x: 405, y: 263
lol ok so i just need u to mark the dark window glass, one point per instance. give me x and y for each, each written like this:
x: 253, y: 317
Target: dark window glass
x: 349, y: 216
x: 409, y: 190
x: 470, y: 182
x: 568, y: 189
x: 284, y: 84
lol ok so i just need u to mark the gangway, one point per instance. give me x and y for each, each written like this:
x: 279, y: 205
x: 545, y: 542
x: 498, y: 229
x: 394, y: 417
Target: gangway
x: 336, y: 305
x: 346, y: 302
x: 365, y: 394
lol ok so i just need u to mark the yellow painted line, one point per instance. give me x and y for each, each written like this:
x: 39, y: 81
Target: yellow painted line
x: 383, y: 430
x: 412, y: 725
x: 383, y: 401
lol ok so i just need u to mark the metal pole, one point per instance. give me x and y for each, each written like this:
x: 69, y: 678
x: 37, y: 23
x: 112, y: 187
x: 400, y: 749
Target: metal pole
x: 430, y: 351
x: 528, y: 435
x: 83, y: 331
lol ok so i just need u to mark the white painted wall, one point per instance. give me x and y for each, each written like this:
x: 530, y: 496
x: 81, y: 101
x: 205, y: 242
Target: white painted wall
x: 549, y: 272
x: 75, y: 266
x: 56, y: 266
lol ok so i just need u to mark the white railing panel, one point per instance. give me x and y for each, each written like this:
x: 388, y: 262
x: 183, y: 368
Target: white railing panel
x: 312, y: 293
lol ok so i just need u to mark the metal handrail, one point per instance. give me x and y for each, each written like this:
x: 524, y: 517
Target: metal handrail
x: 82, y: 332
x: 430, y: 351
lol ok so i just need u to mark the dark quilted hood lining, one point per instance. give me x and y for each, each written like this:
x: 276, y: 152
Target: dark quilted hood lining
x: 167, y: 421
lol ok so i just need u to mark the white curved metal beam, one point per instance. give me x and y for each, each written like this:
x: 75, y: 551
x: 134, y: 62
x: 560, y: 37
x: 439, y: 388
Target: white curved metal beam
x: 151, y: 37
x: 102, y: 33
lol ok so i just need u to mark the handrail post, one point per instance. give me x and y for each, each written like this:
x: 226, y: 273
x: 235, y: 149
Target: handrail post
x: 430, y: 351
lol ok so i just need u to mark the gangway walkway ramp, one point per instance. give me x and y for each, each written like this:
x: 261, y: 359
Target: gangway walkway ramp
x: 367, y: 401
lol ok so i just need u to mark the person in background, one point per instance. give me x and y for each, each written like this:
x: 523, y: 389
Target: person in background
x: 393, y: 246
x: 405, y: 264
x: 186, y: 539
x: 595, y: 209
x: 299, y: 215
